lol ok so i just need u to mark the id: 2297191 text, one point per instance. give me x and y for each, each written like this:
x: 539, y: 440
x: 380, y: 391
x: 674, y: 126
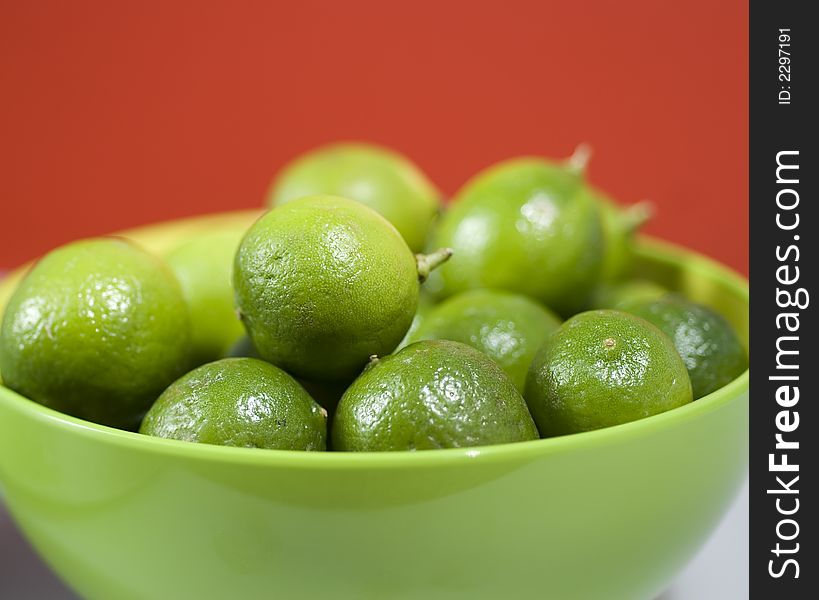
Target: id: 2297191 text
x: 785, y: 66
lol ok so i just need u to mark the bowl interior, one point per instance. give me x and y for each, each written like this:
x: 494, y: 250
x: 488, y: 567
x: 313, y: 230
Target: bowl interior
x: 610, y: 514
x: 698, y: 277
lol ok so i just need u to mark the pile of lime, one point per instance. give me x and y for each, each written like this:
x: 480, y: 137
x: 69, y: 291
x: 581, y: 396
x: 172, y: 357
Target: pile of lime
x: 360, y: 313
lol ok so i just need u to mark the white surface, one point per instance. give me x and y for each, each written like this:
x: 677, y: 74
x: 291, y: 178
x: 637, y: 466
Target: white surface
x: 719, y: 571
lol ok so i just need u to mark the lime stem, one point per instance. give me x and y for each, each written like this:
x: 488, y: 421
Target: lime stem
x: 579, y: 160
x: 635, y: 216
x: 429, y: 262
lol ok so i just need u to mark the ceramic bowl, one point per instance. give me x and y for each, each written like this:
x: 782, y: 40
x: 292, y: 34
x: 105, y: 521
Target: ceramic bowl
x: 609, y: 514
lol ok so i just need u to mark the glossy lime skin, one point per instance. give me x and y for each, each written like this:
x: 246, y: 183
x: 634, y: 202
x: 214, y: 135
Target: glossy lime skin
x: 710, y: 349
x: 525, y: 225
x: 273, y: 515
x: 327, y: 394
x: 96, y: 329
x: 322, y: 284
x: 507, y: 327
x: 432, y: 394
x: 604, y: 368
x: 380, y: 178
x: 242, y: 402
x: 203, y: 266
x: 626, y: 293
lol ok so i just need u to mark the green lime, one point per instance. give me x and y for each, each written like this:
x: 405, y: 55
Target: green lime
x: 505, y: 326
x: 710, y: 349
x: 624, y: 293
x: 603, y: 368
x: 620, y: 224
x: 384, y: 180
x: 97, y: 329
x: 241, y: 402
x: 322, y: 283
x: 203, y: 267
x: 327, y: 394
x: 431, y: 394
x: 525, y: 225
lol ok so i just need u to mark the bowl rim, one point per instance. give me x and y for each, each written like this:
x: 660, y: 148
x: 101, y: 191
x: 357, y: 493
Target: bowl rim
x: 660, y: 250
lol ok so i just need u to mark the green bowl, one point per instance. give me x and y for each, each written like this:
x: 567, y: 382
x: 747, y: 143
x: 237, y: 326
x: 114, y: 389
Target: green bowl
x: 608, y: 514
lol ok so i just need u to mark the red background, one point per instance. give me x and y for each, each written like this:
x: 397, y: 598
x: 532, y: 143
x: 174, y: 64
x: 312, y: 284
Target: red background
x: 114, y: 114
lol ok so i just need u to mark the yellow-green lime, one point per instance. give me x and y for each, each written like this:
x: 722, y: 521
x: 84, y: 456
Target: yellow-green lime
x: 708, y: 345
x: 525, y: 225
x: 431, y: 394
x: 203, y: 266
x: 620, y: 224
x: 97, y: 329
x: 604, y: 368
x: 241, y: 402
x: 505, y: 326
x: 323, y: 282
x: 378, y: 177
x: 628, y: 292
